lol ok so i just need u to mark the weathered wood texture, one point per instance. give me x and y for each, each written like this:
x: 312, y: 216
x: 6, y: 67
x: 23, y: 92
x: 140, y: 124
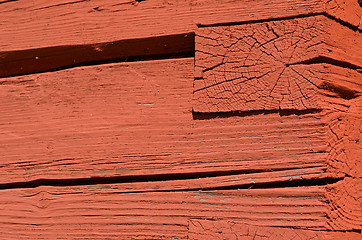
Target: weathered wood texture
x: 105, y: 212
x: 233, y: 230
x: 41, y: 23
x: 36, y: 42
x: 136, y: 119
x: 102, y: 121
x: 273, y: 65
x: 345, y: 204
x: 284, y: 71
x: 345, y: 156
x: 297, y: 64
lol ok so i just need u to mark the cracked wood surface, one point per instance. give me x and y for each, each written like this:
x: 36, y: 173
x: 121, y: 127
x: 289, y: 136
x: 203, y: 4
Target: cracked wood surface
x: 345, y: 157
x: 133, y: 124
x: 101, y: 121
x: 106, y: 212
x: 275, y: 65
x: 41, y: 23
x: 345, y: 204
x: 297, y: 64
x: 135, y: 119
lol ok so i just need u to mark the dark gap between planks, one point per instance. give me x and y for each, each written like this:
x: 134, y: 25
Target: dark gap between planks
x: 281, y: 112
x: 30, y: 61
x: 169, y: 177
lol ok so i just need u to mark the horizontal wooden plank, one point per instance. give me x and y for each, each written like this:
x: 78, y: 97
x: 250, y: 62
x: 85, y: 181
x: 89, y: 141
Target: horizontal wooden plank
x: 99, y: 211
x: 136, y: 119
x: 207, y: 229
x: 40, y: 23
x: 275, y: 65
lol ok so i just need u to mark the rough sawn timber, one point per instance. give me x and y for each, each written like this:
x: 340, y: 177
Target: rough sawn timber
x: 135, y: 119
x: 133, y: 124
x: 108, y: 32
x: 106, y: 212
x: 41, y: 23
x: 88, y: 124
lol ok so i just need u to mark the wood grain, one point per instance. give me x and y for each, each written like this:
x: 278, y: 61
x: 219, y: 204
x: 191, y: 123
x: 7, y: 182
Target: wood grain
x: 275, y: 65
x: 345, y: 204
x: 345, y: 156
x: 40, y: 23
x: 133, y: 123
x: 104, y: 211
x: 136, y: 120
x: 346, y: 10
x: 183, y: 170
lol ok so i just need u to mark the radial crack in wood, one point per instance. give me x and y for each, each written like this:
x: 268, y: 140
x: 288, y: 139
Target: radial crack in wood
x: 269, y: 66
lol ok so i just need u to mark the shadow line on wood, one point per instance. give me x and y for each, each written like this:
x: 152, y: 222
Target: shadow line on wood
x: 281, y: 112
x: 172, y: 177
x: 23, y: 62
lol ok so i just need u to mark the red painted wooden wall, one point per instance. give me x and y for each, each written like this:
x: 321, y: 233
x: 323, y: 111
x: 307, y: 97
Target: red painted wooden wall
x: 180, y: 119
